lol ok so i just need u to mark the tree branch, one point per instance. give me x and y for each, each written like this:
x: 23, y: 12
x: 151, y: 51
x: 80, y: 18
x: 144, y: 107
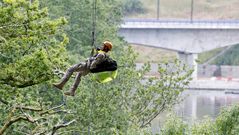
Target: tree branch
x: 55, y: 128
x: 13, y: 25
x: 11, y: 121
x: 11, y: 81
x: 29, y: 108
x: 48, y: 111
x: 155, y: 115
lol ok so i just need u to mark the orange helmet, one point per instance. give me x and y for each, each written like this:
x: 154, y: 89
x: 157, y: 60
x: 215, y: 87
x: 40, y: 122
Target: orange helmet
x: 107, y: 46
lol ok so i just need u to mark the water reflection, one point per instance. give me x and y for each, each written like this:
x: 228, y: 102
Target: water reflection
x: 200, y: 103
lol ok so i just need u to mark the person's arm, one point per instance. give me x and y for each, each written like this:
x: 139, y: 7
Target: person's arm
x: 98, y: 59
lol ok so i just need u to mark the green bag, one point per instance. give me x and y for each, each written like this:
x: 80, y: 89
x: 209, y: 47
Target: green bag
x: 104, y: 77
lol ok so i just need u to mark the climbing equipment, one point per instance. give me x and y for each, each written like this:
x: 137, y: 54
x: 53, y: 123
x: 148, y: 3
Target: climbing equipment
x: 93, y: 28
x: 107, y: 65
x: 104, y: 77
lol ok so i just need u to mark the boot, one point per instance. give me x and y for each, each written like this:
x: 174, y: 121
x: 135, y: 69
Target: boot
x: 58, y: 85
x: 69, y: 93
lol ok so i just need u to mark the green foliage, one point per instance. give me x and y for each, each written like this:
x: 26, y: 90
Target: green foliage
x: 227, y: 123
x: 174, y: 126
x: 206, y: 127
x: 231, y: 57
x: 205, y: 56
x: 132, y: 7
x: 32, y: 46
x: 139, y: 131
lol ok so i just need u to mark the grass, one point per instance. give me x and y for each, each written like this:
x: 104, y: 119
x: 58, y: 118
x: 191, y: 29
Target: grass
x: 203, y: 57
x: 154, y: 55
x: 181, y: 9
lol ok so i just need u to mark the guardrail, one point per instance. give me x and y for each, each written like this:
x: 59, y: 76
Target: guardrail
x: 176, y: 21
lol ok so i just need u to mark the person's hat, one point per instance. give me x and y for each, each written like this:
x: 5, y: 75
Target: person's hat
x: 108, y: 45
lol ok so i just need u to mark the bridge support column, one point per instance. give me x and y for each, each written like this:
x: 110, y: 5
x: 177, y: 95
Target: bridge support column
x: 190, y: 60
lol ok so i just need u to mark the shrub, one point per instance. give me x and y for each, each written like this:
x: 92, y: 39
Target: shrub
x: 206, y: 127
x: 227, y: 123
x: 174, y: 126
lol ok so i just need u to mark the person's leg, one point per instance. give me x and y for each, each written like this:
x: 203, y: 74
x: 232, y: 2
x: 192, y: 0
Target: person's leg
x: 73, y: 88
x: 67, y: 75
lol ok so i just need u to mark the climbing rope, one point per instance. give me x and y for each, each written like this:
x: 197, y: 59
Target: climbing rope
x: 92, y: 97
x: 93, y: 27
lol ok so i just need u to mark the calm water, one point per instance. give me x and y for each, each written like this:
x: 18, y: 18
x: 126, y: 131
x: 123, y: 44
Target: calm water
x: 198, y: 104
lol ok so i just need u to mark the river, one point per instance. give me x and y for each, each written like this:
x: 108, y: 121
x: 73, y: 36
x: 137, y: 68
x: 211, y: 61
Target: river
x: 198, y: 104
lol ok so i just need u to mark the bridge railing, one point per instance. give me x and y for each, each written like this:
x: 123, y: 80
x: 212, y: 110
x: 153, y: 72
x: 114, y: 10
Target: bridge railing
x: 177, y: 21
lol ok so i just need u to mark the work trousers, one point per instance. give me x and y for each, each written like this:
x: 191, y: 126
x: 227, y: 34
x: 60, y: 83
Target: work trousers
x: 82, y: 69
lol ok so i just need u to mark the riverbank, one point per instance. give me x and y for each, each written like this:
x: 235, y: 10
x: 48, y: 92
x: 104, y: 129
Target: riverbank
x: 218, y: 84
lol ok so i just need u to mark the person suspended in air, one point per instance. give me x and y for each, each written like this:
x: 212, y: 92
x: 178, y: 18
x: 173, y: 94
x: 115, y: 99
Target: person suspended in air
x: 100, y: 62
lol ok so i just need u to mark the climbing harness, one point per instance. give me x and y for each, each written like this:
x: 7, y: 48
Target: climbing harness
x: 107, y: 65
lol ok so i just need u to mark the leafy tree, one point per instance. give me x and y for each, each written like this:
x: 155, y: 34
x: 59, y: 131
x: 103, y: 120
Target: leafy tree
x: 30, y: 43
x: 31, y: 46
x: 227, y: 123
x: 205, y: 127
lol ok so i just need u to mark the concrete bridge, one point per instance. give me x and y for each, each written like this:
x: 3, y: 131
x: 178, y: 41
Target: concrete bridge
x: 186, y: 37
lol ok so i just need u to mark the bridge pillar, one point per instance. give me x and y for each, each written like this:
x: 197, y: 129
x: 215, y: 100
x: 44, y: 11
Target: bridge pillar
x: 190, y: 60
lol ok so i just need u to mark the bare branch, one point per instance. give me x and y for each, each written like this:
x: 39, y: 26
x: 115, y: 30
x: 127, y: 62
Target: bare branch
x: 51, y: 109
x: 29, y: 108
x: 13, y: 25
x: 26, y: 117
x: 55, y: 128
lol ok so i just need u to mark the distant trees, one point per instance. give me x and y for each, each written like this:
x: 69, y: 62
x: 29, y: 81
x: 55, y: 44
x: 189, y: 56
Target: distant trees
x: 228, y: 57
x: 132, y: 7
x: 231, y: 57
